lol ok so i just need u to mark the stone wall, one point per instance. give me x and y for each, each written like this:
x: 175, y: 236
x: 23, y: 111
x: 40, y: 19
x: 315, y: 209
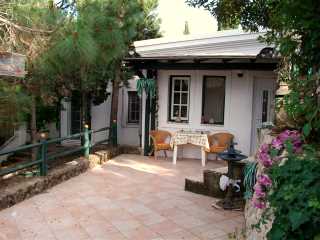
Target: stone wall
x: 252, y: 214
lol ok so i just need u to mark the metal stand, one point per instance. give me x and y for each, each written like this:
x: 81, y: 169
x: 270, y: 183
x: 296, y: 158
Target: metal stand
x: 231, y: 202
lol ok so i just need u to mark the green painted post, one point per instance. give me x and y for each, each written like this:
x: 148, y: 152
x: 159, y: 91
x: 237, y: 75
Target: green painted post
x: 114, y: 133
x: 147, y: 127
x: 86, y: 144
x: 44, y: 155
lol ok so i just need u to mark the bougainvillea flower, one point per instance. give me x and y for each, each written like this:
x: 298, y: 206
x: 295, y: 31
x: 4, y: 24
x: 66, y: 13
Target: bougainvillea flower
x: 259, y: 191
x: 284, y: 136
x: 264, y: 180
x: 265, y: 159
x: 264, y: 148
x: 295, y: 136
x: 258, y: 203
x: 297, y: 147
x: 277, y: 143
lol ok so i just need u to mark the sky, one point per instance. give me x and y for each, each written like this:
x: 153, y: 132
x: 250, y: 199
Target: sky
x: 174, y: 13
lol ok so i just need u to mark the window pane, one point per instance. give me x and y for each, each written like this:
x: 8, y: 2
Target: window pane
x: 179, y: 98
x: 176, y: 98
x: 184, y: 98
x: 213, y: 100
x: 185, y: 85
x: 177, y: 84
x: 184, y: 111
x: 176, y: 111
x: 133, y: 107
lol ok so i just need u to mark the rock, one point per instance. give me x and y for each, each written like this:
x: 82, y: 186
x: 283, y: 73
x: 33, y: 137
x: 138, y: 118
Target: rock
x: 252, y: 214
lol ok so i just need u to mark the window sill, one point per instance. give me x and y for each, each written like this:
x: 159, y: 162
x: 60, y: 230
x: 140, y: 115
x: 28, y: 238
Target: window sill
x: 211, y: 125
x: 132, y: 125
x: 180, y: 123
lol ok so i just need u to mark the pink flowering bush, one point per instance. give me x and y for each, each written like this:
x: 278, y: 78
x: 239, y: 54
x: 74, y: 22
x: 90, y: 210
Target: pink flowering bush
x: 270, y: 154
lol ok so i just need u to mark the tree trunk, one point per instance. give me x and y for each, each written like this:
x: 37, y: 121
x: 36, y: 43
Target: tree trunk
x: 83, y: 114
x: 33, y: 126
x: 115, y: 97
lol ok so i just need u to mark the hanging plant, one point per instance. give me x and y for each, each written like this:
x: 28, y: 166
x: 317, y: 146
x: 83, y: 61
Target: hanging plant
x: 148, y: 85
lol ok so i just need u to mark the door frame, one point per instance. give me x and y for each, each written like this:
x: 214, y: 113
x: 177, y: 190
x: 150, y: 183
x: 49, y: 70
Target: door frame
x: 260, y: 84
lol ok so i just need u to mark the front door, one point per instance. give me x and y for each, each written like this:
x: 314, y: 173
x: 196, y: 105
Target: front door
x: 263, y: 106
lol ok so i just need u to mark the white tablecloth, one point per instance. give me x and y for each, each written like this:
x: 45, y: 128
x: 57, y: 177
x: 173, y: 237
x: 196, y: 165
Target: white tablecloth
x: 195, y: 138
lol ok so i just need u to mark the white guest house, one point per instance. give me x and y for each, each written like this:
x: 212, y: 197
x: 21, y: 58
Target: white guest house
x: 223, y: 82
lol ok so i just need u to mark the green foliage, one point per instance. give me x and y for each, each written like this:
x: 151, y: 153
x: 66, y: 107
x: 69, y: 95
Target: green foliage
x: 73, y: 45
x: 14, y: 104
x: 147, y: 84
x: 93, y: 43
x: 301, y: 104
x: 295, y: 198
x: 45, y: 114
x: 250, y: 172
x: 149, y: 27
x: 83, y: 56
x: 28, y: 28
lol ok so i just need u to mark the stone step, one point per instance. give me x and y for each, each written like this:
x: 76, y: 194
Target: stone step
x: 208, y: 184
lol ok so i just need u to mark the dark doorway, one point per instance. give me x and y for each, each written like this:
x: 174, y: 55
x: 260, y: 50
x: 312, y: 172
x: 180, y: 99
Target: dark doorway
x: 75, y: 113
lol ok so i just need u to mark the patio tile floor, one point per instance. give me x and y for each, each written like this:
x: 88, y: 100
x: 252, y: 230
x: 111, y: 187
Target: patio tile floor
x: 130, y: 197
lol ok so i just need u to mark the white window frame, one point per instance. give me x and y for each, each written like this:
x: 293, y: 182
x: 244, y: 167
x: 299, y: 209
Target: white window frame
x: 172, y: 92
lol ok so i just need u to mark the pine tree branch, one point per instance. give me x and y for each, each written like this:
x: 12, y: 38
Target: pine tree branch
x: 21, y: 28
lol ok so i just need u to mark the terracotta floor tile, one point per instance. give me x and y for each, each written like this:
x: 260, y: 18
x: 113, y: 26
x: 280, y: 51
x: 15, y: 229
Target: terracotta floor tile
x: 72, y: 233
x: 115, y: 214
x: 165, y: 227
x: 8, y: 231
x: 141, y: 233
x: 181, y: 235
x: 126, y: 225
x: 209, y: 231
x: 151, y: 218
x: 188, y: 222
x: 229, y: 225
x: 111, y: 236
x: 130, y: 197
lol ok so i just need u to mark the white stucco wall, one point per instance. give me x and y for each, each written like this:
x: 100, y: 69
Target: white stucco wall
x: 238, y: 107
x: 19, y: 139
x: 100, y: 118
x: 65, y: 120
x: 128, y: 134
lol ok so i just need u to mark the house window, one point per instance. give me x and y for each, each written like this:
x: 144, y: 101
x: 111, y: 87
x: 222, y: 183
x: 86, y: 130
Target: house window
x: 179, y: 98
x: 213, y: 100
x: 133, y: 107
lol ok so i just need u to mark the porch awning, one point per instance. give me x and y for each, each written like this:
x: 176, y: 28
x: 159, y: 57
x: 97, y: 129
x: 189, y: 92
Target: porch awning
x: 248, y: 62
x: 223, y: 50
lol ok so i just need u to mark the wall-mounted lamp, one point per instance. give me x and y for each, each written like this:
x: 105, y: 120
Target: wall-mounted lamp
x: 240, y: 74
x: 132, y: 51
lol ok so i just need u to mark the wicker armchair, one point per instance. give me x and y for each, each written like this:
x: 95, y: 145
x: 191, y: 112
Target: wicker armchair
x: 219, y: 142
x: 160, y: 140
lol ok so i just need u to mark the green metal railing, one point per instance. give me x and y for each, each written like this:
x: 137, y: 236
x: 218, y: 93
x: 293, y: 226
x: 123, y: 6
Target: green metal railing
x: 43, y: 157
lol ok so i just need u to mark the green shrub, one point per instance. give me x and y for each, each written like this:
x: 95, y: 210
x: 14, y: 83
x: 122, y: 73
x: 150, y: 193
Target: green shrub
x: 295, y: 198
